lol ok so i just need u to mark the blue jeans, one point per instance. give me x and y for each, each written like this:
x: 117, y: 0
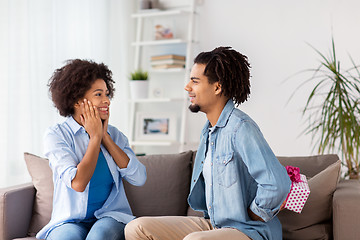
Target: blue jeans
x: 104, y: 228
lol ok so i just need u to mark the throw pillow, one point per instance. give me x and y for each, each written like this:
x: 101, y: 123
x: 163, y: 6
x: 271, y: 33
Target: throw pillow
x: 167, y: 186
x: 310, y: 165
x: 314, y: 220
x: 41, y: 175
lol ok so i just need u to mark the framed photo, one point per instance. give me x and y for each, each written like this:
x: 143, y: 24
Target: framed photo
x: 155, y: 126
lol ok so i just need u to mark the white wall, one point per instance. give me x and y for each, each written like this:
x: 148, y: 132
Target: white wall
x: 274, y: 36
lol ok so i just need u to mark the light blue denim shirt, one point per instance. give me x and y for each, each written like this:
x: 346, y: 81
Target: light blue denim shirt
x: 245, y: 173
x: 65, y: 145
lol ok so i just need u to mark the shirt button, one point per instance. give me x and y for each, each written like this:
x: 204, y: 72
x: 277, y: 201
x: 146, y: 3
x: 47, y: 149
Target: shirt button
x: 211, y: 164
x: 212, y: 143
x: 209, y: 207
x: 194, y: 180
x: 202, y: 162
x: 224, y: 162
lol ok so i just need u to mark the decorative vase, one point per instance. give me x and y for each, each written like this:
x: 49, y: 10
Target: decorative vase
x: 144, y: 4
x: 139, y: 89
x: 154, y: 4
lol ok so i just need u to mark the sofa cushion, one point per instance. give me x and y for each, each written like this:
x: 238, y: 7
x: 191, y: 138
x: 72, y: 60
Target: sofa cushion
x: 167, y: 186
x: 314, y: 222
x: 41, y: 175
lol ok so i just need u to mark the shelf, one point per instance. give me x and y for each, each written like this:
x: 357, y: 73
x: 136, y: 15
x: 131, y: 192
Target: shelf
x: 159, y: 13
x: 154, y: 100
x: 167, y: 70
x: 159, y: 42
x: 153, y: 143
x: 169, y: 101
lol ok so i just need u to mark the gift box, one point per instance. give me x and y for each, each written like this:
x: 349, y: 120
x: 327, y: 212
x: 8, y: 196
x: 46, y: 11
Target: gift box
x: 299, y: 192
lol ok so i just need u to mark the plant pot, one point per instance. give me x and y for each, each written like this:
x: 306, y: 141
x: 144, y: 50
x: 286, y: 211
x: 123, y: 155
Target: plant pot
x: 354, y: 176
x: 139, y: 89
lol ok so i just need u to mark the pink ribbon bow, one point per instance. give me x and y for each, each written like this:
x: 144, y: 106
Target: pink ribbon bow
x: 294, y: 173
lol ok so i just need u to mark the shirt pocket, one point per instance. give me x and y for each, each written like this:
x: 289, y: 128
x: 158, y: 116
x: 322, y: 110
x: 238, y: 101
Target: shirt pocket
x: 225, y: 168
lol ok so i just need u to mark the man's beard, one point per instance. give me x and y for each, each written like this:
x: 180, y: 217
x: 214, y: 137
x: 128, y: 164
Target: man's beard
x: 194, y: 108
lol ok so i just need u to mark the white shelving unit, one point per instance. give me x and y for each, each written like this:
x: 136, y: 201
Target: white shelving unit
x: 143, y: 42
x: 155, y: 100
x: 159, y: 42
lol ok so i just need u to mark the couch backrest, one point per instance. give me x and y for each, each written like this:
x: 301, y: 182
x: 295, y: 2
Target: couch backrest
x: 167, y: 186
x: 168, y: 181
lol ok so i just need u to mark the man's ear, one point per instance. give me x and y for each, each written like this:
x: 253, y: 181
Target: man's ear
x: 217, y: 88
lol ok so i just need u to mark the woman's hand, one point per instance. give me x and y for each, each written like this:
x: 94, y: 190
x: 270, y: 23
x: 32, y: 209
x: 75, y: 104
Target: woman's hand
x: 91, y: 120
x: 105, y: 124
x: 119, y: 156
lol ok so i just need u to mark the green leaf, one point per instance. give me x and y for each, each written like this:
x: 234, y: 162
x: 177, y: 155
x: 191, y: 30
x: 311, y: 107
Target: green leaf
x: 332, y: 108
x: 139, y: 75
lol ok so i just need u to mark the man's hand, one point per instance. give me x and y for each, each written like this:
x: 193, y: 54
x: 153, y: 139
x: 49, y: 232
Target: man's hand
x: 253, y: 216
x: 283, y: 205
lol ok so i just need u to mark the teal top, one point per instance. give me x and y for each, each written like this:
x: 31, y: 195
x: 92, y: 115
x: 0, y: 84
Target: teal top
x: 100, y: 186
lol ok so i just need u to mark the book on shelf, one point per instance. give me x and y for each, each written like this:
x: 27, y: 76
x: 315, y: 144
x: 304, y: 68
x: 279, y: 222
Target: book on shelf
x: 167, y: 66
x: 167, y: 61
x: 168, y: 56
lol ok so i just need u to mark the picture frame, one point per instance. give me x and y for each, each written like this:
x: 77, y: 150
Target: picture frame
x: 159, y: 126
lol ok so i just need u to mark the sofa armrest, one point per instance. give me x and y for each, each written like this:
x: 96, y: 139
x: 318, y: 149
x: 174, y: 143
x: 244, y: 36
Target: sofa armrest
x: 346, y: 211
x: 16, y: 205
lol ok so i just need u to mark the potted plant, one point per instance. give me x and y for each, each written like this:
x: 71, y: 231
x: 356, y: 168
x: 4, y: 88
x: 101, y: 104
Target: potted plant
x: 333, y: 110
x: 139, y: 85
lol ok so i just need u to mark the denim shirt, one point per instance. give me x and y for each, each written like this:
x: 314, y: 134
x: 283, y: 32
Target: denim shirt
x: 245, y: 174
x: 65, y: 145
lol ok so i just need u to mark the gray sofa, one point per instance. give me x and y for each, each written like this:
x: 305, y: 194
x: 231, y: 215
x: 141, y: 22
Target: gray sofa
x: 331, y: 211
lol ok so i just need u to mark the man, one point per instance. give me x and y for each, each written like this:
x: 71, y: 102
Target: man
x: 237, y: 181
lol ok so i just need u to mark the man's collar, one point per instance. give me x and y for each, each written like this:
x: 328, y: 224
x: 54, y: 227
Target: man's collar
x: 224, y: 116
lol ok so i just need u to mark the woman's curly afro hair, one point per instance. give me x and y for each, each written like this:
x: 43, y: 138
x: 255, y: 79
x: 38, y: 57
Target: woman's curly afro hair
x: 71, y: 82
x: 230, y: 68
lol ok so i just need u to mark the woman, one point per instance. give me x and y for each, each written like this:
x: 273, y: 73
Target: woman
x: 88, y: 157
